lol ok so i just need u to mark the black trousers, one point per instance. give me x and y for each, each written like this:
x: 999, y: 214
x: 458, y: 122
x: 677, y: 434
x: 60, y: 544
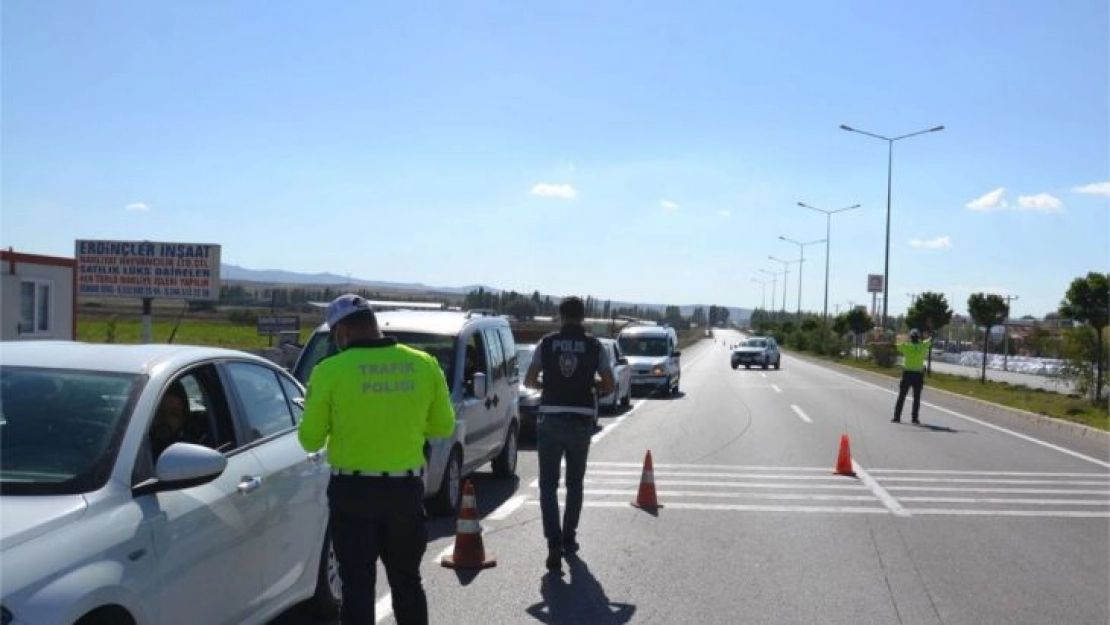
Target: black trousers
x: 379, y: 517
x: 916, y: 381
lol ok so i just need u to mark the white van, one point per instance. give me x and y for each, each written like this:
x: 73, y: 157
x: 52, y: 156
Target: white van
x: 484, y: 391
x: 653, y: 354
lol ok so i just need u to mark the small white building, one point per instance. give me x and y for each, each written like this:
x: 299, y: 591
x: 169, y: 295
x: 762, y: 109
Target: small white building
x: 38, y: 297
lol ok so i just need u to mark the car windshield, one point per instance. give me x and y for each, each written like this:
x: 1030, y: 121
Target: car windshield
x: 440, y: 346
x: 643, y: 346
x: 59, y: 429
x: 755, y: 343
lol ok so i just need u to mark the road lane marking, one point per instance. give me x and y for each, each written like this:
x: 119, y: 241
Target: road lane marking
x: 1014, y: 513
x: 1009, y: 500
x: 383, y: 609
x: 738, y: 467
x: 933, y: 480
x: 1005, y: 473
x: 847, y: 485
x: 801, y: 415
x: 827, y: 475
x: 881, y: 493
x: 776, y: 387
x: 734, y: 495
x: 612, y: 426
x: 1022, y: 491
x: 506, y: 509
x: 1024, y: 437
x: 737, y: 507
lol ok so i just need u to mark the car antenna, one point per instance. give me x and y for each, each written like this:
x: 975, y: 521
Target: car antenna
x: 177, y: 323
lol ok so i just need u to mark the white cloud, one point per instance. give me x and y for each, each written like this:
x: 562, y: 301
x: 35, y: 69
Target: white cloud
x: 561, y: 191
x: 724, y: 213
x: 1041, y: 202
x: 137, y: 206
x: 1096, y: 188
x: 994, y: 200
x: 669, y: 205
x: 939, y: 243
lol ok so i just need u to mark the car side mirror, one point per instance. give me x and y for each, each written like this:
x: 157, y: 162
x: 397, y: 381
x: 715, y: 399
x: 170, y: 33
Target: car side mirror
x: 184, y: 465
x: 676, y: 353
x: 481, y: 385
x: 622, y: 361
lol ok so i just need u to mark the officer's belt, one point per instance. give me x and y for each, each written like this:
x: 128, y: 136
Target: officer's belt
x: 399, y: 473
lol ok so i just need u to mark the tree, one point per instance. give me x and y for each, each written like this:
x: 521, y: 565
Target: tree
x: 988, y: 311
x: 1088, y: 301
x: 858, y: 321
x: 930, y: 311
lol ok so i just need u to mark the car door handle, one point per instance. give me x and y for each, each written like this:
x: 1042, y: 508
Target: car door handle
x: 496, y: 400
x: 250, y: 483
x: 489, y: 403
x: 316, y: 456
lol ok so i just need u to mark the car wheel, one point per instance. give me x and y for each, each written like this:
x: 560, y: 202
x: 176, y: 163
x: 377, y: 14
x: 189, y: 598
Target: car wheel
x: 734, y: 365
x: 446, y: 501
x: 329, y: 588
x: 626, y: 401
x: 778, y: 363
x: 747, y: 366
x: 766, y: 363
x: 504, y: 465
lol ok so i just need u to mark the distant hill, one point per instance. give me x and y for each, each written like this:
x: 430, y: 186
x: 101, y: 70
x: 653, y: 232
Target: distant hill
x: 235, y: 273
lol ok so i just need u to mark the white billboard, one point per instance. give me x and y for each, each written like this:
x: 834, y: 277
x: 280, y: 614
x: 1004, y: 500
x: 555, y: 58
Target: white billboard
x: 148, y: 269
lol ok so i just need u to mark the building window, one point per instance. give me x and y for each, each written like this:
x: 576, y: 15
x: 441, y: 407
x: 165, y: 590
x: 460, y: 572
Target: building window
x: 34, y: 307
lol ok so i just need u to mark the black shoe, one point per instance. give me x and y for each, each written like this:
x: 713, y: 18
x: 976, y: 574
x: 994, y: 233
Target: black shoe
x: 896, y: 420
x: 554, y: 559
x: 916, y: 421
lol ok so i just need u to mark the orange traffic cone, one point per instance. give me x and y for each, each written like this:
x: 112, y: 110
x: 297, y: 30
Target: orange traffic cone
x: 645, y: 499
x: 469, y: 552
x: 844, y: 460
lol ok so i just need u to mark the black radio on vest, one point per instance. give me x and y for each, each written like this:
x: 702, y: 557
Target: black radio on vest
x: 570, y: 360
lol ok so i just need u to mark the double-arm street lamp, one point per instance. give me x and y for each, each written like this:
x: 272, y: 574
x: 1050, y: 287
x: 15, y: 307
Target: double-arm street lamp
x: 828, y: 244
x: 774, y: 283
x: 801, y: 263
x: 890, y: 164
x: 763, y: 283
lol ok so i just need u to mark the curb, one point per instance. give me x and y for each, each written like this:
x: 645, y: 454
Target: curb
x: 1076, y: 430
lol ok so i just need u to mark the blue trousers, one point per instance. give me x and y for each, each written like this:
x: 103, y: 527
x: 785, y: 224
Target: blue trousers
x: 557, y: 436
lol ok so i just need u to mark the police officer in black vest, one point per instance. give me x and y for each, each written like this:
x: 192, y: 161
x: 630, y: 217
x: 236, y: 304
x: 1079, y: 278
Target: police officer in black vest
x: 569, y: 359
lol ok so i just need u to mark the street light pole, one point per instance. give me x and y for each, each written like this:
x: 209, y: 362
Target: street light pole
x: 774, y: 283
x: 786, y: 270
x: 828, y: 244
x: 889, y: 171
x: 801, y: 263
x: 762, y: 283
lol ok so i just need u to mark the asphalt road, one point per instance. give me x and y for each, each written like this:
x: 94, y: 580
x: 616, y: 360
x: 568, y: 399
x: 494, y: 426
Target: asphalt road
x: 974, y: 517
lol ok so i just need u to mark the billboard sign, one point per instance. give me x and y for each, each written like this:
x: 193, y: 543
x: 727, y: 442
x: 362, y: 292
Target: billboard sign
x: 275, y: 325
x: 874, y: 283
x: 147, y: 269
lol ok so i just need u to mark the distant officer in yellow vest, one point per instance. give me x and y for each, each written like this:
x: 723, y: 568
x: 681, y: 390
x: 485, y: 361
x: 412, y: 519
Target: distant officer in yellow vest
x: 913, y: 374
x: 375, y: 403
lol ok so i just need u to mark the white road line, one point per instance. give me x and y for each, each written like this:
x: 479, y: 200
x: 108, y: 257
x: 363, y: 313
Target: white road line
x: 1012, y: 513
x: 383, y: 609
x: 729, y: 495
x: 888, y: 500
x: 847, y: 485
x: 612, y: 426
x: 1018, y: 491
x: 776, y: 387
x: 448, y: 550
x: 828, y: 475
x: 801, y: 415
x: 739, y: 467
x: 932, y: 480
x: 1030, y: 439
x: 1003, y: 473
x: 737, y: 507
x: 1010, y: 501
x: 506, y: 509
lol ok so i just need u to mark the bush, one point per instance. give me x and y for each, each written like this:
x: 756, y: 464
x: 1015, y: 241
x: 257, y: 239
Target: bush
x: 884, y: 354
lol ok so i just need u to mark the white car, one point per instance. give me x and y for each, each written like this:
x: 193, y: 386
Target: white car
x: 621, y: 395
x: 226, y: 525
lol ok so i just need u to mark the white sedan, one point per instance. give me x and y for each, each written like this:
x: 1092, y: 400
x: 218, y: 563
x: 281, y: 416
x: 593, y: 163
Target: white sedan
x: 622, y: 374
x: 109, y: 516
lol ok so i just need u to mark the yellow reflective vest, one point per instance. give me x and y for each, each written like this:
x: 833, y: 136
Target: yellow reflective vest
x: 914, y: 354
x: 374, y: 404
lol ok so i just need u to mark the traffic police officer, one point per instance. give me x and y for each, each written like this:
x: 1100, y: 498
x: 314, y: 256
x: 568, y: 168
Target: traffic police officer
x: 569, y: 359
x: 913, y: 374
x: 374, y: 404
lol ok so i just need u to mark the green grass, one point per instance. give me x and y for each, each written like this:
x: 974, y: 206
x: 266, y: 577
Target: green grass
x: 1048, y: 403
x: 190, y: 332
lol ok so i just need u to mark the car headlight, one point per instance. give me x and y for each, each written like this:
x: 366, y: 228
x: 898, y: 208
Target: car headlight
x: 657, y: 370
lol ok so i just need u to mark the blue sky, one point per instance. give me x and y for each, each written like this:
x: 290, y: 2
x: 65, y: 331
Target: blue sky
x: 650, y: 151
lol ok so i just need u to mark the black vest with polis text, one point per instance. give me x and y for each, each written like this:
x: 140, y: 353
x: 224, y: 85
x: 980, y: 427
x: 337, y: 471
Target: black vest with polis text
x: 570, y: 361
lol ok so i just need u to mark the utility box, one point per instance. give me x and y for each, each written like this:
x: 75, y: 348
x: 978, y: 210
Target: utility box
x: 38, y: 297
